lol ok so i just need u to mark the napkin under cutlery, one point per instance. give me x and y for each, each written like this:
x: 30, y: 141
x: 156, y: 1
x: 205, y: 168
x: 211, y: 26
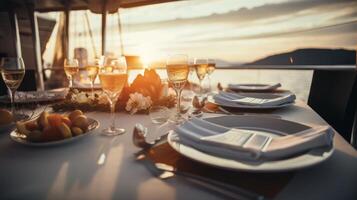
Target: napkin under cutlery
x: 229, y: 97
x: 250, y: 145
x: 253, y: 87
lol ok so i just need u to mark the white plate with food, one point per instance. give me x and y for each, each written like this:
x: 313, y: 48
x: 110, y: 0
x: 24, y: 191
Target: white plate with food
x: 7, y: 120
x: 54, y: 129
x: 267, y: 96
x: 274, y: 127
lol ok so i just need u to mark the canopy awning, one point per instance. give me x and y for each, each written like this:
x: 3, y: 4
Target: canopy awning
x: 95, y: 6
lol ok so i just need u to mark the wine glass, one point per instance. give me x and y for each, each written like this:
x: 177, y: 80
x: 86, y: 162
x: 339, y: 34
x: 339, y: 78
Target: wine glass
x: 201, y: 71
x: 210, y: 69
x: 92, y: 69
x: 113, y: 80
x: 177, y: 71
x: 12, y: 72
x: 71, y: 68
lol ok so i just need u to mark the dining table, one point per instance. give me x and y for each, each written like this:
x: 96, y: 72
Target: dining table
x: 102, y: 167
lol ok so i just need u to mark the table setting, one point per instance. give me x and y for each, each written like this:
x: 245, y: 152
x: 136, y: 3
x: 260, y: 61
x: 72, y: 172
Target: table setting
x: 243, y: 141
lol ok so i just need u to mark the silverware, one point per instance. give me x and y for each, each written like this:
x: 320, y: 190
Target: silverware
x: 164, y: 171
x: 140, y: 133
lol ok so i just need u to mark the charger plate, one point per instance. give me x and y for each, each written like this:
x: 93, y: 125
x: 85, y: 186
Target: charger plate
x: 268, y: 125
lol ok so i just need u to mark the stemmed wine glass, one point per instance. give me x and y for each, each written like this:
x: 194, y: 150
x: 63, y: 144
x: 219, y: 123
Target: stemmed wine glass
x: 113, y: 80
x: 92, y: 69
x: 71, y: 68
x: 210, y: 69
x: 12, y: 72
x: 201, y: 70
x: 177, y: 71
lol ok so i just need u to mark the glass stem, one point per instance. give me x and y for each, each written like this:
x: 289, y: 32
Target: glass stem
x: 12, y: 100
x: 70, y: 81
x: 178, y: 107
x: 112, y: 113
x: 209, y: 83
x: 201, y: 88
x: 92, y: 87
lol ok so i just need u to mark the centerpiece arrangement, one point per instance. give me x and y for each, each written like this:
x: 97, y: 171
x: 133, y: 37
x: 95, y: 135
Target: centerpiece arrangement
x: 144, y: 92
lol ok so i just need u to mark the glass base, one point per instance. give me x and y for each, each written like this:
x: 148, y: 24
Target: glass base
x: 196, y: 113
x: 177, y: 119
x: 113, y: 131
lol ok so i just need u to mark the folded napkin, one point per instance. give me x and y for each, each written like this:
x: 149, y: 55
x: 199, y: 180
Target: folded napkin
x: 248, y: 145
x: 252, y: 101
x: 251, y: 87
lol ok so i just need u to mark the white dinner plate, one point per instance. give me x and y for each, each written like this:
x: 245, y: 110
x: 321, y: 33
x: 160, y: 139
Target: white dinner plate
x: 255, y: 95
x: 272, y: 126
x: 21, y: 139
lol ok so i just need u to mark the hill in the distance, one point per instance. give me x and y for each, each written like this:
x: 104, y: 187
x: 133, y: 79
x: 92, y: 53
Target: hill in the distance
x: 310, y: 57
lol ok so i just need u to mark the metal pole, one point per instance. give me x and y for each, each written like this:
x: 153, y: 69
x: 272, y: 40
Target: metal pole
x: 91, y: 34
x: 36, y: 45
x: 120, y: 34
x: 15, y: 32
x: 66, y: 29
x: 104, y: 24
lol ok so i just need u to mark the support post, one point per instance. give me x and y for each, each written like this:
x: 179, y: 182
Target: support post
x: 66, y: 29
x: 15, y: 32
x: 36, y: 45
x: 104, y: 25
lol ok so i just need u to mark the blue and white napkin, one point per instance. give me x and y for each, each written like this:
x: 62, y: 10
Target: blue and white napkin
x: 252, y: 87
x: 229, y: 98
x: 248, y: 145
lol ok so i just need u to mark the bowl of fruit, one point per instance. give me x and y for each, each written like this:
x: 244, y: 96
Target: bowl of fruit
x: 51, y: 129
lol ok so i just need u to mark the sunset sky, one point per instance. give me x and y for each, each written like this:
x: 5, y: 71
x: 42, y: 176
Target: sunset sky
x: 235, y: 31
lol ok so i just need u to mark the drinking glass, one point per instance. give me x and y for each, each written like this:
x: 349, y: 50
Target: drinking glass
x: 113, y: 80
x: 159, y: 114
x: 12, y: 72
x: 92, y: 69
x: 71, y: 68
x: 201, y: 71
x: 177, y: 71
x: 210, y: 69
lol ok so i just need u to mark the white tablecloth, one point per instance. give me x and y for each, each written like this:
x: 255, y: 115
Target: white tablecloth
x: 72, y: 171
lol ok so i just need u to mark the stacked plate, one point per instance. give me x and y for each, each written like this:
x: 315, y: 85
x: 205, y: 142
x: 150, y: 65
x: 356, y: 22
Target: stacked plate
x: 254, y: 87
x: 253, y: 100
x: 257, y: 145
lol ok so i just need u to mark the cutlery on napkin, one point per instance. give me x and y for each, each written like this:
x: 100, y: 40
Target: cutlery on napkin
x: 241, y: 99
x: 253, y: 87
x: 249, y: 145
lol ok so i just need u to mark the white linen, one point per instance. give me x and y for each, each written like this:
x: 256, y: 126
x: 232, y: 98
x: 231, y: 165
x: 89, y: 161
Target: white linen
x: 247, y: 145
x: 228, y: 97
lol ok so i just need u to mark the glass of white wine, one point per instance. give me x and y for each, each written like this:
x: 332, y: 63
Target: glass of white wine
x: 177, y: 71
x: 113, y: 80
x: 201, y: 71
x: 210, y: 69
x: 92, y: 69
x: 12, y: 72
x: 71, y: 68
